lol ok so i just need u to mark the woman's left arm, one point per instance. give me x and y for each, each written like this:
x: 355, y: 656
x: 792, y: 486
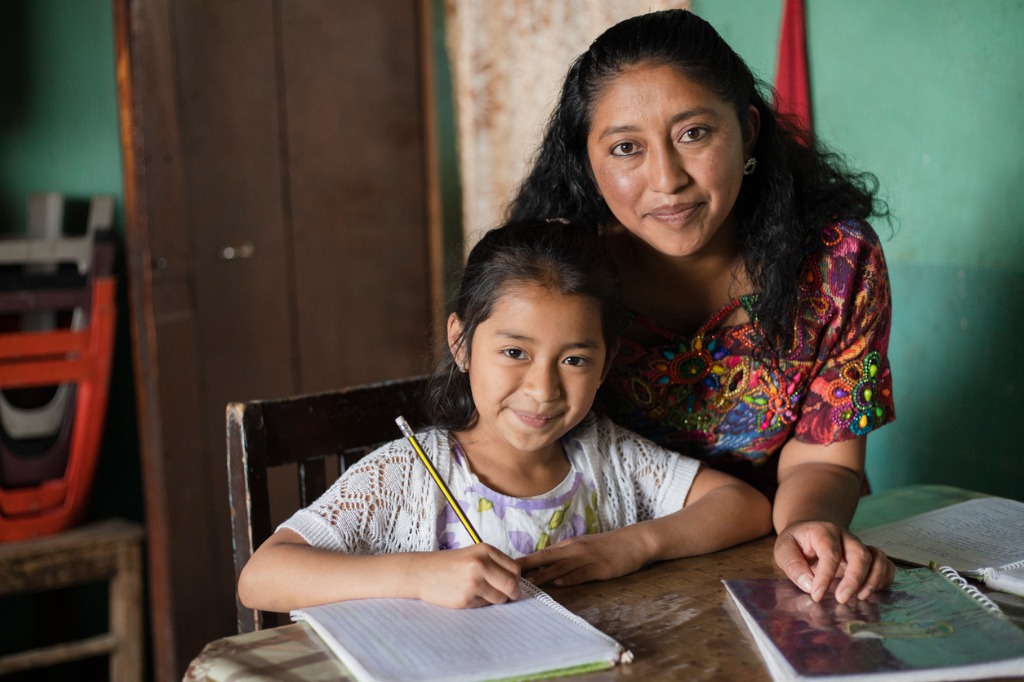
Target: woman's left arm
x: 819, y: 486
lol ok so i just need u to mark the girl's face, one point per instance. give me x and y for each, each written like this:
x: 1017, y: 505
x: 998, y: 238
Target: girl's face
x: 534, y: 368
x: 667, y: 155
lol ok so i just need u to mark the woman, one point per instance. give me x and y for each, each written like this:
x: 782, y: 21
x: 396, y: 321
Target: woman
x: 758, y: 293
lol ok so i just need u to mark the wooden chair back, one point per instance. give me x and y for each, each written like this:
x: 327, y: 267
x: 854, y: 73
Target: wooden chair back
x: 306, y: 431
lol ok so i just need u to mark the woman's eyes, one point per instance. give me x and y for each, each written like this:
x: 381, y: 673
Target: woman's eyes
x: 688, y: 135
x: 624, y: 149
x: 576, y: 361
x: 694, y: 134
x: 514, y: 353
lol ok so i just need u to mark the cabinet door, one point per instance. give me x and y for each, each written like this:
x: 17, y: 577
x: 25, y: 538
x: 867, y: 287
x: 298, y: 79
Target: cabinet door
x: 357, y: 186
x: 279, y: 238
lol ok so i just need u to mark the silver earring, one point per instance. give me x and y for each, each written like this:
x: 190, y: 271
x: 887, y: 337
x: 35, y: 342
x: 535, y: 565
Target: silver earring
x: 462, y: 368
x: 749, y: 166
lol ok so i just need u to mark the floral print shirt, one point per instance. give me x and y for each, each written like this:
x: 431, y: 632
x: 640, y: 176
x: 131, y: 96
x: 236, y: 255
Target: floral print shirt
x: 710, y: 396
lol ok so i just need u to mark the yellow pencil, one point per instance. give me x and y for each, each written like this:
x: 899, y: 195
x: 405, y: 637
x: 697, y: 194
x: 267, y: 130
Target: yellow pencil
x: 407, y: 431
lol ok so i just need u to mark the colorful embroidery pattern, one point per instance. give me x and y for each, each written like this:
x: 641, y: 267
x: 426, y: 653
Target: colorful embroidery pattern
x: 711, y: 398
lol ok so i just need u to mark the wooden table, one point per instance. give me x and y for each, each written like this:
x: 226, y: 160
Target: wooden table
x: 675, y: 616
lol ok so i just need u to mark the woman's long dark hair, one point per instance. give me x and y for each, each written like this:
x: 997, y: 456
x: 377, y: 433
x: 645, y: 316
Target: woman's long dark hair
x: 797, y: 187
x: 566, y: 258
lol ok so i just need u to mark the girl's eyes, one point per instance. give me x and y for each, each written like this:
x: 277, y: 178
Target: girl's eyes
x: 520, y: 354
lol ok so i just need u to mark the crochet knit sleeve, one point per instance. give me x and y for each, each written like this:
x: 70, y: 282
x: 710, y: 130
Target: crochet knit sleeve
x: 381, y: 505
x: 639, y: 479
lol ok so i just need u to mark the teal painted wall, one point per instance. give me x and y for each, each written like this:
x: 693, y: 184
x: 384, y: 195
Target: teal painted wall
x: 927, y: 94
x: 58, y: 112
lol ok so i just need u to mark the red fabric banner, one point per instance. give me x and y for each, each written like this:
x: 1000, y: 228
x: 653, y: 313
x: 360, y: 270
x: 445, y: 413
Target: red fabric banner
x: 791, y: 82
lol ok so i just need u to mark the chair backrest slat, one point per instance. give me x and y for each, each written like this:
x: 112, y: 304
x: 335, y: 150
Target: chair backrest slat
x: 304, y: 430
x: 312, y: 480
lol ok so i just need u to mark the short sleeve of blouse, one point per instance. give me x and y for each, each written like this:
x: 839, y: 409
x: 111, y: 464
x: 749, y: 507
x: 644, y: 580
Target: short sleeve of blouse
x: 381, y: 504
x: 845, y: 298
x: 644, y: 479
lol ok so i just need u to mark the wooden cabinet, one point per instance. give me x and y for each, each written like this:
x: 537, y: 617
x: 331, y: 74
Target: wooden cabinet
x: 278, y: 193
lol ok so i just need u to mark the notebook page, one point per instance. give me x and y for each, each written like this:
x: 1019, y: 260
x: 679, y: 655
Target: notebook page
x: 407, y: 639
x: 967, y: 536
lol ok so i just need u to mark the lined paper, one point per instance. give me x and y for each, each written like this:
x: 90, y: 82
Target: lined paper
x: 407, y: 639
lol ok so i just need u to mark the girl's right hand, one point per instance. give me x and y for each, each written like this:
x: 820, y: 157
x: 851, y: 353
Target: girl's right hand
x: 468, y: 577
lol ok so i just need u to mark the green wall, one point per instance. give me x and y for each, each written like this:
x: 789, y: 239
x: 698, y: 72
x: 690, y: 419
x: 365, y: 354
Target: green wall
x: 928, y: 95
x: 58, y: 112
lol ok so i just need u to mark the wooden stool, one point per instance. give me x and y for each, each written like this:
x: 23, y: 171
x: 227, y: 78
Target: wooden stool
x: 103, y: 551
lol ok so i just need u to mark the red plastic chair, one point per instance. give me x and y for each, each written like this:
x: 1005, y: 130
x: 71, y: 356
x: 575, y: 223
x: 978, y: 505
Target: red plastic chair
x: 49, y: 358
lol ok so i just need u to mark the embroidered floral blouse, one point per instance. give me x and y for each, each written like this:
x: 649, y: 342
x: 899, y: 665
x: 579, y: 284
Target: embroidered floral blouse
x: 708, y: 397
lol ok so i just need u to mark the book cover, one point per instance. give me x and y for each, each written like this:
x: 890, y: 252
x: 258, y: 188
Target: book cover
x: 923, y: 628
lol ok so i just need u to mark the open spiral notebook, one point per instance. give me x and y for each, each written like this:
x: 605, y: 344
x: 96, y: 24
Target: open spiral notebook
x: 981, y: 538
x: 405, y: 640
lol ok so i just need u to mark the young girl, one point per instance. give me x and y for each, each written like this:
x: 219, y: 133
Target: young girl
x: 555, y: 492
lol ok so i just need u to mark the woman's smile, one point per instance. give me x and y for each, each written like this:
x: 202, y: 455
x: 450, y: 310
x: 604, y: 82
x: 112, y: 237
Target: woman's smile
x: 675, y: 214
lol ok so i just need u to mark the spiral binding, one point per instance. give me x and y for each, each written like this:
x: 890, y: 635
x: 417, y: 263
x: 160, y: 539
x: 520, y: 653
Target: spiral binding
x: 1010, y: 567
x: 973, y: 592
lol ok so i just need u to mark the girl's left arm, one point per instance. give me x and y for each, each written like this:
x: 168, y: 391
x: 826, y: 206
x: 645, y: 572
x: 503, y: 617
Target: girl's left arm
x: 720, y: 511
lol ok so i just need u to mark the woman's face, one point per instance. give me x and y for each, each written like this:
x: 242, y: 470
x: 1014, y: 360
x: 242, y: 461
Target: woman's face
x: 667, y: 155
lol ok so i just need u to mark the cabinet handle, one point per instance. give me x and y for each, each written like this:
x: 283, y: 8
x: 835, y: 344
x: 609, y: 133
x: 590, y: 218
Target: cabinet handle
x: 238, y: 251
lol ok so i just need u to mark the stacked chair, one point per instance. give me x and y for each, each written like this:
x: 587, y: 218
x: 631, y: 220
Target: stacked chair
x: 57, y: 306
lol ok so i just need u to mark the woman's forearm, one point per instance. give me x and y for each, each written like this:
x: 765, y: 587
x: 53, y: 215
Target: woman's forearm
x: 818, y: 483
x: 816, y: 492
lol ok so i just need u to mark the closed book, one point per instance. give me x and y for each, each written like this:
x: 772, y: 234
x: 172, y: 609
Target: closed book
x: 929, y: 625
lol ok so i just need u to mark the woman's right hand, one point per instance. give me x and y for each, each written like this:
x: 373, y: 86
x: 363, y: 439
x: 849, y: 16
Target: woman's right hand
x: 812, y: 553
x: 468, y: 577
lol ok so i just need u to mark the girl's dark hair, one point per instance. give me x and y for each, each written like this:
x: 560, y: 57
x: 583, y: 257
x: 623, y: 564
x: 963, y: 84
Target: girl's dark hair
x: 567, y: 258
x: 798, y: 185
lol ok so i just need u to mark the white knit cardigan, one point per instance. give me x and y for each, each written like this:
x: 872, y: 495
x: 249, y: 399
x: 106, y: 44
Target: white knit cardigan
x: 387, y: 502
